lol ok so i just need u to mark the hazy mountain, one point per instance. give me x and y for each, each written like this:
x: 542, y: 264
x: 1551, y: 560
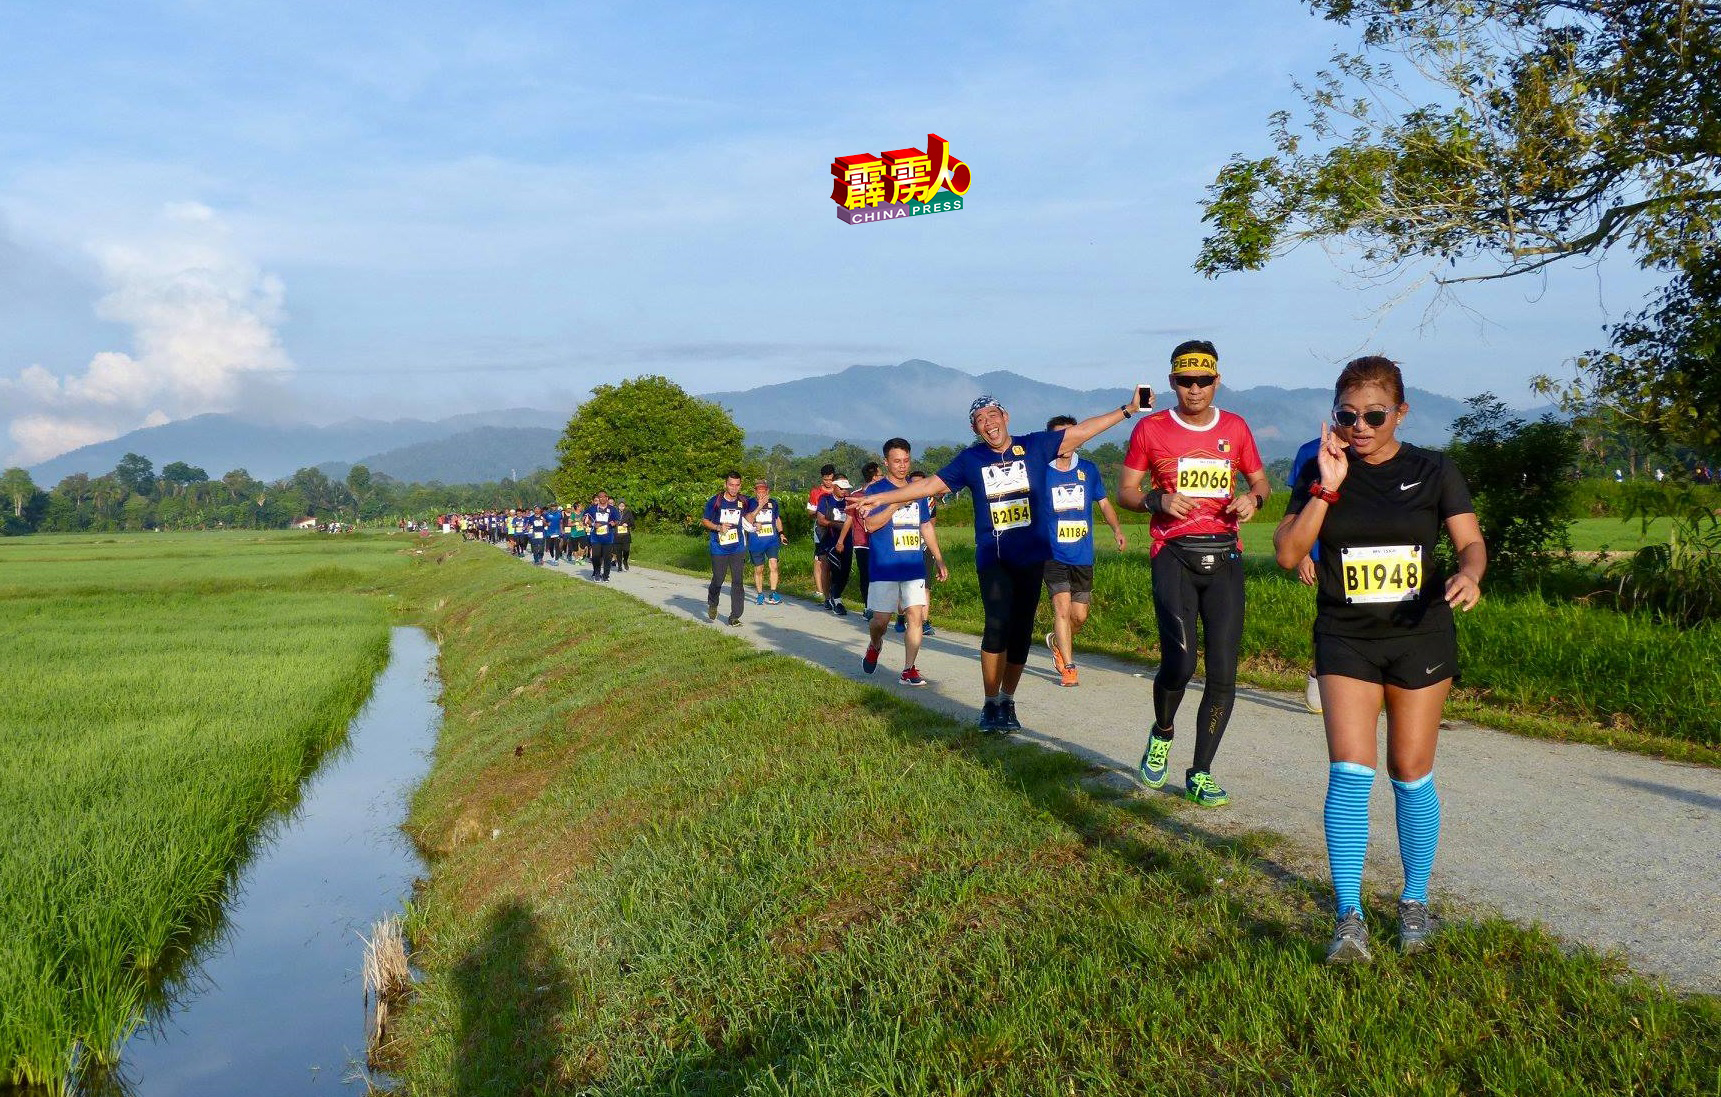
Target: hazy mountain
x: 473, y: 456
x: 928, y: 404
x: 217, y: 443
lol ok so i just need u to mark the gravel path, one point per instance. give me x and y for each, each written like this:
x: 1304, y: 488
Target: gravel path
x: 1615, y: 850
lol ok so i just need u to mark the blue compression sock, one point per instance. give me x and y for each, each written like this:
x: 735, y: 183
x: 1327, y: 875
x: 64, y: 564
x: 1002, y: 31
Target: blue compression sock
x: 1346, y: 817
x: 1418, y: 832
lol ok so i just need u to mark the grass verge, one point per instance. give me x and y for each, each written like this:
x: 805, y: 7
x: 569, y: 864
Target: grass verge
x: 151, y: 725
x: 1534, y: 666
x: 667, y: 863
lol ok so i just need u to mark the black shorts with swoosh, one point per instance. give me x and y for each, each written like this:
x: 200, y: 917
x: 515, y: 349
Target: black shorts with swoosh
x: 1408, y: 662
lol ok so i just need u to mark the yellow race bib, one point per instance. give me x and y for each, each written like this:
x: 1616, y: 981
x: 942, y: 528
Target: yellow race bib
x: 728, y: 536
x: 1382, y: 573
x: 1070, y: 533
x: 1204, y: 477
x: 905, y: 540
x: 1012, y: 515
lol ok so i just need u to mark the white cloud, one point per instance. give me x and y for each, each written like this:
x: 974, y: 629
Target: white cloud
x: 204, y: 323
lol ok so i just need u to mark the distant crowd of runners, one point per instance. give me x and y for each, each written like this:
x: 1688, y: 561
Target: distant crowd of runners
x: 599, y: 534
x: 1365, y: 513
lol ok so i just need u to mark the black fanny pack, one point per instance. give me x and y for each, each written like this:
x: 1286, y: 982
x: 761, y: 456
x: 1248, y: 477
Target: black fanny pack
x: 1204, y: 553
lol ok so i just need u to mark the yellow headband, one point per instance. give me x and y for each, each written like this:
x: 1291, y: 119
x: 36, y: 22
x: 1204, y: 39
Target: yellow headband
x: 1195, y: 361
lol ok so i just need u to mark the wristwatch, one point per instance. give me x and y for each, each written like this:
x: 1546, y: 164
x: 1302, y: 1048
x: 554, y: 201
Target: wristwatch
x: 1325, y: 496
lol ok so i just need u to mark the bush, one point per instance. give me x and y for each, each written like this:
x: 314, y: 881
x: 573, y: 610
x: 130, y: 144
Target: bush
x: 1680, y: 580
x: 1520, y: 475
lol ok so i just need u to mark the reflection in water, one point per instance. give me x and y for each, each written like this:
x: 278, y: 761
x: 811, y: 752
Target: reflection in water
x: 270, y: 1000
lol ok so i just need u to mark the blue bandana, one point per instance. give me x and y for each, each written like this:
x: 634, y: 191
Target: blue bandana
x: 981, y: 403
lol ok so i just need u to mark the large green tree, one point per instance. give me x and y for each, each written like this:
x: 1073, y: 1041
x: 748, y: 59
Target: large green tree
x: 1526, y: 133
x: 135, y: 473
x: 16, y: 485
x: 648, y: 442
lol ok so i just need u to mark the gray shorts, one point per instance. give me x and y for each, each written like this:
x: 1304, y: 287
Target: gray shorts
x: 1071, y: 579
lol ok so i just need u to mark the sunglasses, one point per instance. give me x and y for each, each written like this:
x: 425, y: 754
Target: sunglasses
x: 1349, y: 418
x: 1193, y: 380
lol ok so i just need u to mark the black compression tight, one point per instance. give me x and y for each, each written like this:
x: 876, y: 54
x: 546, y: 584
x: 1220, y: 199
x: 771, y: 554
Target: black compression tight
x: 1010, y: 595
x: 1180, y: 596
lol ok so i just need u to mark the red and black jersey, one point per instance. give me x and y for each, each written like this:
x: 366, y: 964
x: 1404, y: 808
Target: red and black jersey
x: 1199, y: 462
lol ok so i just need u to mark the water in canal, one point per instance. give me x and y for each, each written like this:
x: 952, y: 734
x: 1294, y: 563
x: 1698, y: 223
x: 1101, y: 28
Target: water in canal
x: 276, y: 1004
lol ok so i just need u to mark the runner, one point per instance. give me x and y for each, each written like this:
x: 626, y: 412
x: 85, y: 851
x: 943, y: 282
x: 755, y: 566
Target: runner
x: 827, y: 476
x: 834, y: 549
x: 599, y: 519
x: 856, y: 534
x: 553, y: 533
x: 1076, y: 485
x: 577, y: 550
x: 1006, y: 477
x: 723, y: 519
x: 926, y: 629
x: 1193, y: 453
x: 903, y: 534
x: 1383, y: 635
x: 623, y: 534
x: 537, y: 528
x: 762, y: 521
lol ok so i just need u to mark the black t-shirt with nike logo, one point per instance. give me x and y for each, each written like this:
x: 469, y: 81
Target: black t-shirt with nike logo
x: 1377, y: 573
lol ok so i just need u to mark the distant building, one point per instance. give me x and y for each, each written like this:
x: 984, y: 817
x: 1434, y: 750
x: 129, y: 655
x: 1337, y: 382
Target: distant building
x: 305, y: 523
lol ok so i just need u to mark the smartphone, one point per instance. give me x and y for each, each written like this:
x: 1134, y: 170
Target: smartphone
x: 1145, y: 395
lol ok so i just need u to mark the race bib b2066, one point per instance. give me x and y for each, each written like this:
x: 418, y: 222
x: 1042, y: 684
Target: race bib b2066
x: 1204, y: 477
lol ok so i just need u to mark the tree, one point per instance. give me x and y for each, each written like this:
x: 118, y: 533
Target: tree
x: 17, y: 486
x: 359, y: 483
x: 178, y: 475
x: 650, y: 443
x: 1565, y: 129
x: 1521, y: 477
x: 136, y: 474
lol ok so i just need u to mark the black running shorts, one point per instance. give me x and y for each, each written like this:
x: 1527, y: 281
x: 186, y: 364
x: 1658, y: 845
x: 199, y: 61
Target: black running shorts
x: 1412, y: 661
x: 1071, y: 579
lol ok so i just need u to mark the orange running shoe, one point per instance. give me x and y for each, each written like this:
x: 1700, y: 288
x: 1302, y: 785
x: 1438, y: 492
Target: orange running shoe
x: 1067, y: 676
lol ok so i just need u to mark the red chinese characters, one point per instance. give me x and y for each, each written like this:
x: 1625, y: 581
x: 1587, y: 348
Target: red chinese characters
x: 899, y: 176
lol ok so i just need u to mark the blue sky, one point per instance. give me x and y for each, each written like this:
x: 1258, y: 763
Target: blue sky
x: 318, y: 210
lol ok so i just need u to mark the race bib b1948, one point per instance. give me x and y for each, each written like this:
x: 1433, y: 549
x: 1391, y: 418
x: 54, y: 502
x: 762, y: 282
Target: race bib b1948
x: 1382, y: 573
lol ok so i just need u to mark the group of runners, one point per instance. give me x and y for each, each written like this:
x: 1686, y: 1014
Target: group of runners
x: 1365, y: 513
x: 600, y: 533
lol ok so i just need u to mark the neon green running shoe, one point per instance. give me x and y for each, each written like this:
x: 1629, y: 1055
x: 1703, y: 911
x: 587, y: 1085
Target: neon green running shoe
x: 1153, y: 760
x: 1202, y: 789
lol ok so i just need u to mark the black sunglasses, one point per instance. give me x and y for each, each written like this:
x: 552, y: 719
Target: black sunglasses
x: 1349, y: 418
x: 1192, y: 380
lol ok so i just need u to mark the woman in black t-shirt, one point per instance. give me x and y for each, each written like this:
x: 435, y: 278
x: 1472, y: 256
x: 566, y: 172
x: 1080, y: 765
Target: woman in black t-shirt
x: 1384, y: 631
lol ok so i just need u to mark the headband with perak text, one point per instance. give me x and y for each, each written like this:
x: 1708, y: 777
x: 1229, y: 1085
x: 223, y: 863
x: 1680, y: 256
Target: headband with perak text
x: 1196, y: 361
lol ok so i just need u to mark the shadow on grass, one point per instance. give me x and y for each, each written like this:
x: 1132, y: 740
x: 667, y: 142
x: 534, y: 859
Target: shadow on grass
x: 511, y: 989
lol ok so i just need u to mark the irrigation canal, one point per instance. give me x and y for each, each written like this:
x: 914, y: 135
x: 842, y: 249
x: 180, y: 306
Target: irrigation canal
x: 275, y: 1006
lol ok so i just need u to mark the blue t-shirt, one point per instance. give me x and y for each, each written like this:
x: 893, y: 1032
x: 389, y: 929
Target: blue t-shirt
x: 538, y: 524
x: 602, y: 521
x: 897, y: 552
x: 763, y: 517
x: 1306, y: 455
x: 554, y: 518
x: 725, y: 512
x: 832, y: 508
x: 1012, y: 506
x: 1073, y: 496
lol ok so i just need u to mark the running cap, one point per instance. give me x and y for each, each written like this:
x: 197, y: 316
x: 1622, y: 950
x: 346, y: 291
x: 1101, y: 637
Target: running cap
x: 842, y: 482
x: 981, y: 403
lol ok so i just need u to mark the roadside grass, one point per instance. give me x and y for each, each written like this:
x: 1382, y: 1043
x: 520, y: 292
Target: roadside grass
x: 149, y: 729
x: 1531, y: 665
x: 666, y: 863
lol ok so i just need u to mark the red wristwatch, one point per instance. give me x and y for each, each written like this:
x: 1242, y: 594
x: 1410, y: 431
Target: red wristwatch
x: 1325, y: 496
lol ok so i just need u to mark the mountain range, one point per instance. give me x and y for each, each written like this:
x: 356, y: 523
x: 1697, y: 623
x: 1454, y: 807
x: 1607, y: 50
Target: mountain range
x: 919, y: 400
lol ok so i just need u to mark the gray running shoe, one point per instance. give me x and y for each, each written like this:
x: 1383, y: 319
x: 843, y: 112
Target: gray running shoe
x: 1415, y: 925
x: 1350, y: 941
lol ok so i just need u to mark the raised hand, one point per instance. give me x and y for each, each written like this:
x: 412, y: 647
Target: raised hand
x: 1331, y: 459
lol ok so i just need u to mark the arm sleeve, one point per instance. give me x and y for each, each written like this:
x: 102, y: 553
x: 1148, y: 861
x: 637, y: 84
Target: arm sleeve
x: 1454, y: 492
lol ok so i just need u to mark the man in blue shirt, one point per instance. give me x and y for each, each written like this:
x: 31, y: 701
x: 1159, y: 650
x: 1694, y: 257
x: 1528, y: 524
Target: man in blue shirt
x: 899, y: 535
x: 723, y: 520
x: 762, y: 521
x: 1005, y: 475
x: 600, y: 522
x: 831, y: 520
x: 1076, y: 487
x: 553, y: 532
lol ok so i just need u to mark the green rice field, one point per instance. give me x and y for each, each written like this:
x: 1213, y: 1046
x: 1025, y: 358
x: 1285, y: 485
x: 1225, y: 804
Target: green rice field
x: 161, y: 698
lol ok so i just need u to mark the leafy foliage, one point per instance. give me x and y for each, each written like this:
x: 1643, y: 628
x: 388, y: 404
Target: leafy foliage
x: 1520, y: 475
x: 1562, y: 129
x: 648, y: 442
